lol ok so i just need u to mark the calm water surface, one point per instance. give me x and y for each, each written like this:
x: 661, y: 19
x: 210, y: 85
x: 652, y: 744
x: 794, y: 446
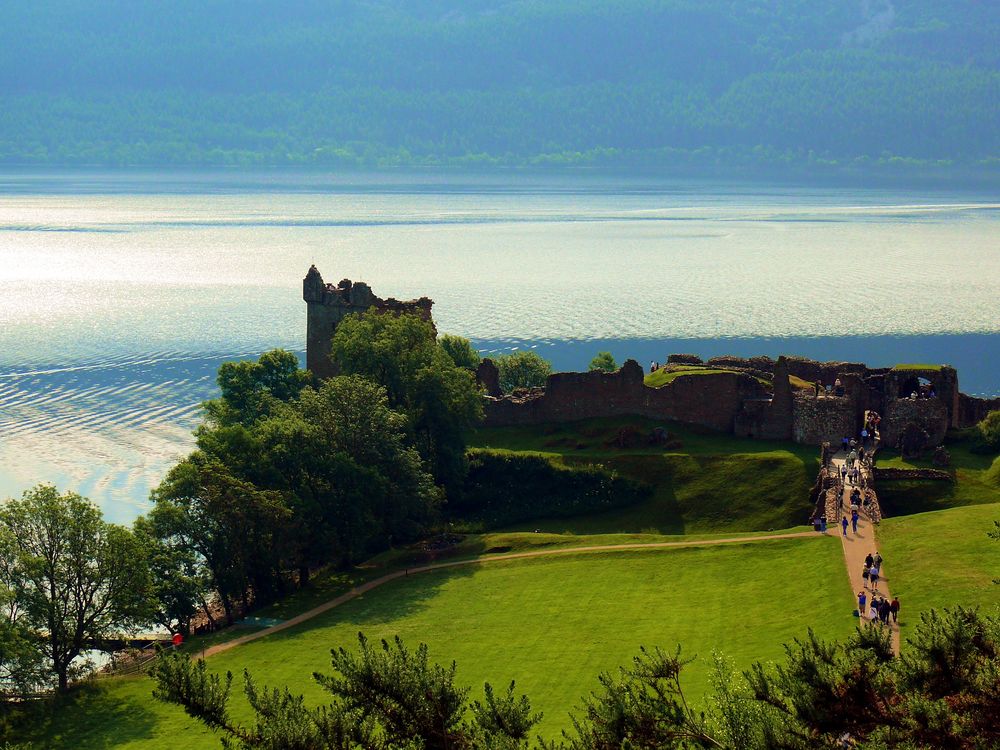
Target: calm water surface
x: 120, y: 295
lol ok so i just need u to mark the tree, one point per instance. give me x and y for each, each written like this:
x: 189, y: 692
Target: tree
x: 179, y: 584
x: 250, y: 389
x: 22, y: 668
x: 441, y: 400
x: 77, y: 578
x: 235, y: 529
x: 460, y: 350
x: 522, y: 370
x: 384, y: 698
x: 989, y: 432
x: 603, y: 362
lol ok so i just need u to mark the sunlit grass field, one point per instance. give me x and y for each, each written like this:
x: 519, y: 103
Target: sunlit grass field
x: 552, y: 624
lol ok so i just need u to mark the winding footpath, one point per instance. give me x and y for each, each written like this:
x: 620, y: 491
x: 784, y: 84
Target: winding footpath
x: 364, y: 588
x: 857, y: 547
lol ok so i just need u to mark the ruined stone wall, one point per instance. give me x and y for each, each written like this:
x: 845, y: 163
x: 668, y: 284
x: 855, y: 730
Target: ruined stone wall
x: 819, y: 420
x: 930, y: 414
x: 972, y: 410
x: 710, y: 400
x: 327, y: 305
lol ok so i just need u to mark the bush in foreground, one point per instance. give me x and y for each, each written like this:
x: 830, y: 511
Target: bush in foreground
x: 944, y: 692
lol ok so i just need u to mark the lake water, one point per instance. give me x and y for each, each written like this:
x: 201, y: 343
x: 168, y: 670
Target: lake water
x: 121, y: 294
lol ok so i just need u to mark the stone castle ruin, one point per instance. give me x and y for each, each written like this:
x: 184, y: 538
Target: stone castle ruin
x: 749, y: 397
x: 327, y: 305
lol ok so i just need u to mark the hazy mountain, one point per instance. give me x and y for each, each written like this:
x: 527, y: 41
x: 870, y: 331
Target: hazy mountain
x: 581, y: 81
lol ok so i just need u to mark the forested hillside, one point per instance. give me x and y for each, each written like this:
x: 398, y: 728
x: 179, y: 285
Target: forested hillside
x: 758, y: 82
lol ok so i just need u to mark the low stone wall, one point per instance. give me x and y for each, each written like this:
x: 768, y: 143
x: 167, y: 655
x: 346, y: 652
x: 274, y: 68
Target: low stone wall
x: 819, y: 420
x: 890, y: 474
x: 973, y: 410
x: 708, y: 400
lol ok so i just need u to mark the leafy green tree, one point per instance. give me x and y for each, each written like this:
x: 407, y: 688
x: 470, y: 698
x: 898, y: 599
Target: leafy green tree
x: 235, y: 529
x: 179, y: 583
x: 384, y: 698
x: 603, y: 362
x: 22, y: 668
x: 250, y: 389
x: 441, y: 400
x: 77, y: 578
x: 522, y: 370
x: 460, y: 350
x: 989, y: 431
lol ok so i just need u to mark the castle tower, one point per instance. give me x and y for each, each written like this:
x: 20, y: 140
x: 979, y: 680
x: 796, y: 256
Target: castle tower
x: 327, y: 305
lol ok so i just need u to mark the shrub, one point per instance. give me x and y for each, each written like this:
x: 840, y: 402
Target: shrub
x: 460, y: 350
x: 989, y: 432
x: 505, y: 488
x: 603, y: 362
x: 522, y: 370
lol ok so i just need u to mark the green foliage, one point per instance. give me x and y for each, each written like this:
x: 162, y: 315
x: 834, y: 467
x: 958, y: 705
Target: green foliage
x: 524, y: 369
x: 384, y: 698
x: 460, y: 350
x: 74, y: 577
x: 603, y: 362
x: 989, y: 432
x: 441, y: 400
x: 940, y: 694
x: 505, y: 488
x: 251, y: 389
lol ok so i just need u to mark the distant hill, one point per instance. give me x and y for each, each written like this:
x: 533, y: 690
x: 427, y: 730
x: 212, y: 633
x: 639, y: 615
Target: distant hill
x: 671, y: 82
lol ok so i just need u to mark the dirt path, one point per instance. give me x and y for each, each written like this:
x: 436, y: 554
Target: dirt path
x: 376, y: 582
x: 856, y: 548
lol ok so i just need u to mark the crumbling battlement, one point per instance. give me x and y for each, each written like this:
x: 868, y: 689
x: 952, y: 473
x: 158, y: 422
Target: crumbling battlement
x: 736, y: 402
x: 709, y: 400
x: 327, y: 305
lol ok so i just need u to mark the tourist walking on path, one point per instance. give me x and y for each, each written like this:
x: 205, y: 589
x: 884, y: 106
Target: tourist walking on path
x: 894, y: 608
x: 869, y: 560
x: 877, y: 559
x: 862, y: 598
x: 866, y: 574
x: 843, y: 523
x: 873, y: 577
x: 854, y: 519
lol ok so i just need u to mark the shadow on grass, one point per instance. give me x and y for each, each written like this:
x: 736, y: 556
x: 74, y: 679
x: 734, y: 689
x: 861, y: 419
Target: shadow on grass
x: 398, y: 599
x: 99, y: 723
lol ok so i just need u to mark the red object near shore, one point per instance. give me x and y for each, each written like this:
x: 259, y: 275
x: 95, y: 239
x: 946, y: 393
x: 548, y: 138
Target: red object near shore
x: 177, y: 640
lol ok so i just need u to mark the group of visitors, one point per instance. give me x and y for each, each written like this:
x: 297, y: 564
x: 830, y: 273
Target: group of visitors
x: 879, y: 608
x: 855, y: 516
x: 654, y: 365
x: 837, y: 389
x: 923, y: 391
x: 872, y: 421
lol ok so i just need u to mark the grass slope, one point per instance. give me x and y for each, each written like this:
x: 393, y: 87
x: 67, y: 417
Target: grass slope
x: 976, y: 481
x: 942, y: 558
x: 552, y: 624
x: 712, y: 482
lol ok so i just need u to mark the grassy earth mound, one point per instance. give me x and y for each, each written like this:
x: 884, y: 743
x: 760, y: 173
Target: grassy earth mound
x: 551, y: 623
x: 701, y: 480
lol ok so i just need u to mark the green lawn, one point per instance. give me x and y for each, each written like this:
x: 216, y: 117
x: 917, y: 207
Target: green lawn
x: 942, y: 558
x: 976, y: 481
x: 703, y: 482
x: 552, y: 624
x: 669, y: 374
x: 916, y: 366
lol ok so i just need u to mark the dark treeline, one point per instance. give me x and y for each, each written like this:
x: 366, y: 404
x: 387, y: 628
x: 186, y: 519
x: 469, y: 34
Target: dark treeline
x: 530, y: 82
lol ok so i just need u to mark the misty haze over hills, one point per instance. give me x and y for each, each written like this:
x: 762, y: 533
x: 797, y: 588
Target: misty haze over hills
x: 762, y: 83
